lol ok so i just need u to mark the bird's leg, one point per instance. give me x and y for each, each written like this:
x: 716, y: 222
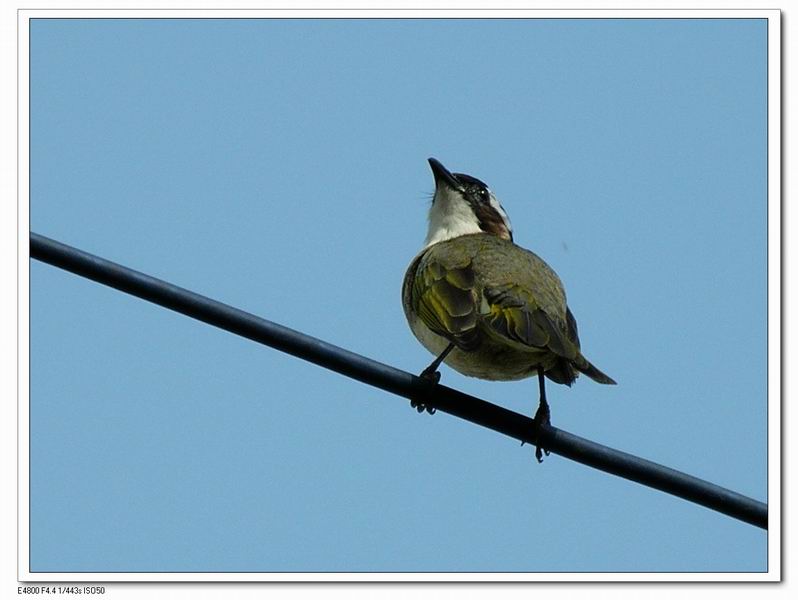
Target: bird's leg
x: 542, y: 416
x: 431, y: 372
x: 432, y: 375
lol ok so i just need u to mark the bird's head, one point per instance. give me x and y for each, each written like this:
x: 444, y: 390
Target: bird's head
x: 462, y: 205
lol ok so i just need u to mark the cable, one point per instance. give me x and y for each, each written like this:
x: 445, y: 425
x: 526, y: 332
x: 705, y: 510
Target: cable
x: 397, y: 381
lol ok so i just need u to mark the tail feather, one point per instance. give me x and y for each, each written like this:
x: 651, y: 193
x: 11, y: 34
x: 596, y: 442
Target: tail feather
x: 594, y: 374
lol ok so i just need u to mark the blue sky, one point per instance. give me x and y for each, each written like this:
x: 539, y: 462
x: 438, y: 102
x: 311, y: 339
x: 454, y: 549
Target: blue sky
x: 280, y: 166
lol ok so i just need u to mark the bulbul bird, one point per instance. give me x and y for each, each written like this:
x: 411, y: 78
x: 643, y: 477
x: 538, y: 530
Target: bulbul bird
x: 483, y: 305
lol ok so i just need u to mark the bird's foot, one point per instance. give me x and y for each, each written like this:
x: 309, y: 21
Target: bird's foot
x: 542, y: 419
x: 421, y: 407
x: 433, y: 376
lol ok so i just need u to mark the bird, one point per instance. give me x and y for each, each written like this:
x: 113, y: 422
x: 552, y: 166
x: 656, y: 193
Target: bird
x: 485, y: 306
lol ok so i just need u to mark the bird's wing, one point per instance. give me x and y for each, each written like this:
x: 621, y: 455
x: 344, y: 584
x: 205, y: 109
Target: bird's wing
x: 445, y: 299
x: 514, y: 314
x: 563, y: 370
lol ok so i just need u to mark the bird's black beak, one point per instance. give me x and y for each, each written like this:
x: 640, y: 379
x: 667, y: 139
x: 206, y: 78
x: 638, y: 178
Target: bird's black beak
x: 443, y: 175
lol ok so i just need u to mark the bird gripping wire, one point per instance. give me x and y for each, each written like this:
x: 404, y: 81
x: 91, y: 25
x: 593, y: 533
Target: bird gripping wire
x: 397, y: 381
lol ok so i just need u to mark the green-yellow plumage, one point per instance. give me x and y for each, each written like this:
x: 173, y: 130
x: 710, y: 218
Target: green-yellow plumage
x: 502, y: 306
x: 488, y: 308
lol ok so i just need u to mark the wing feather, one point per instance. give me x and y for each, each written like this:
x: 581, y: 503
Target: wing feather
x: 446, y: 301
x: 514, y: 314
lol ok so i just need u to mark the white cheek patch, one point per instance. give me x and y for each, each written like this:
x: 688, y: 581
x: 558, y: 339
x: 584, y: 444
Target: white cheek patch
x: 498, y: 208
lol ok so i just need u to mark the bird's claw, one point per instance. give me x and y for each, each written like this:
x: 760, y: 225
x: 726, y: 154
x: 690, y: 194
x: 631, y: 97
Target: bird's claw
x: 539, y: 452
x: 421, y: 407
x: 431, y: 375
x: 542, y: 419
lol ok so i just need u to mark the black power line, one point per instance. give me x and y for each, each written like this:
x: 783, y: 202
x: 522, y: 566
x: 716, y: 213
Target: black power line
x: 396, y: 381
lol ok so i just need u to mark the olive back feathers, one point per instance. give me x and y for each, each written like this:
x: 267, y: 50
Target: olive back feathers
x: 494, y: 300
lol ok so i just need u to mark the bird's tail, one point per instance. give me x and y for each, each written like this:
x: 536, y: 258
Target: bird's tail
x: 591, y: 371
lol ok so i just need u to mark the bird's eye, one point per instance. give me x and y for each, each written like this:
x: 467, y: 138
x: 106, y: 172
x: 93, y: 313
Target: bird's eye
x: 479, y: 194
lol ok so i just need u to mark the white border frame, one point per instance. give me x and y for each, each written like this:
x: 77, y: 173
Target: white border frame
x: 774, y: 294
